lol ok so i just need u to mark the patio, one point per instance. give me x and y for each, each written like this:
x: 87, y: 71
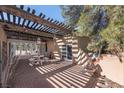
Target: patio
x: 54, y: 75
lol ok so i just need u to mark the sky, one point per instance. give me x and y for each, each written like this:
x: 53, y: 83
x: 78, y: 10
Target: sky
x: 52, y: 11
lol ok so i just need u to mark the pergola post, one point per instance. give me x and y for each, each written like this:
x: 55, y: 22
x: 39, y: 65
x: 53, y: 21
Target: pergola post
x: 4, y: 61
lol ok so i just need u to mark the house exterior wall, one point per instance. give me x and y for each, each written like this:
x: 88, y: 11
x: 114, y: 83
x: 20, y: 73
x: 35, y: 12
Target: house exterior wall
x: 83, y: 42
x: 2, y: 35
x: 54, y: 48
x: 78, y: 45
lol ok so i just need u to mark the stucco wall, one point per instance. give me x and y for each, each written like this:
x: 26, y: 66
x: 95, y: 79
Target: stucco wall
x: 55, y: 45
x: 2, y: 35
x: 83, y: 42
x: 54, y: 48
x: 78, y: 45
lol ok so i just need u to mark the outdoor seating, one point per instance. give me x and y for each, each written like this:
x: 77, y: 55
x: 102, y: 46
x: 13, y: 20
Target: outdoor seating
x: 103, y: 82
x: 88, y: 68
x: 37, y: 60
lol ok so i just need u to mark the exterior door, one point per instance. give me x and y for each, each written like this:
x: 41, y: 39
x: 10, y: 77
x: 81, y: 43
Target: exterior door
x: 63, y: 51
x: 66, y: 52
x: 69, y: 52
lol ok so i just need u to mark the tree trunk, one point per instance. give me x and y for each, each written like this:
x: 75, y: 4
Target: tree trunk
x: 119, y: 55
x: 100, y: 50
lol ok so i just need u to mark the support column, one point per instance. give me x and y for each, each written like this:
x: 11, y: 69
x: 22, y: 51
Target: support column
x: 74, y: 49
x: 3, y: 39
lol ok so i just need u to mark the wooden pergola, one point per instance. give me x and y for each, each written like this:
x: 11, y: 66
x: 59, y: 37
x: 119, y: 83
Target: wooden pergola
x: 18, y: 24
x: 25, y: 24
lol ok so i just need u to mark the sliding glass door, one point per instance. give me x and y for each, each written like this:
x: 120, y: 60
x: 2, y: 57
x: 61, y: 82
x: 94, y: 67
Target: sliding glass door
x: 66, y: 52
x: 69, y: 52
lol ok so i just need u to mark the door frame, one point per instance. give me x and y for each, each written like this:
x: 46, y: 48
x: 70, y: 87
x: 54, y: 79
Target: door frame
x: 66, y: 51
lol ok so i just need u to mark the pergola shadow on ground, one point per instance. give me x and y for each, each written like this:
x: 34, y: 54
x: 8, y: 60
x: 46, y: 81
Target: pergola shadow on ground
x: 53, y: 75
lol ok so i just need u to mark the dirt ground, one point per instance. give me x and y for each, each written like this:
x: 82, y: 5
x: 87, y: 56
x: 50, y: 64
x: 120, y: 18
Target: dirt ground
x: 113, y: 68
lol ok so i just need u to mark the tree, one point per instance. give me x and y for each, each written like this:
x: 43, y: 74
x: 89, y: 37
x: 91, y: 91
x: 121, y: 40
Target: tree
x: 92, y: 20
x: 114, y: 33
x: 71, y: 14
x: 103, y: 24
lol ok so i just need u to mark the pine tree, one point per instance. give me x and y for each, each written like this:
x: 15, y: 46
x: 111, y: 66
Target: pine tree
x: 71, y: 14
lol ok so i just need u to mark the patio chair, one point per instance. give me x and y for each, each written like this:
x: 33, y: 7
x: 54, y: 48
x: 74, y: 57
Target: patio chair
x: 31, y: 60
x: 88, y: 68
x: 103, y: 82
x: 46, y: 59
x: 35, y: 61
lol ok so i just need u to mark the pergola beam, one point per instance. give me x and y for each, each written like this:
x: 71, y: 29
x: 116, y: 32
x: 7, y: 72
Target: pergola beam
x: 14, y: 19
x: 19, y: 19
x: 21, y: 13
x: 1, y: 14
x: 8, y: 17
x: 12, y: 27
x: 21, y: 36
